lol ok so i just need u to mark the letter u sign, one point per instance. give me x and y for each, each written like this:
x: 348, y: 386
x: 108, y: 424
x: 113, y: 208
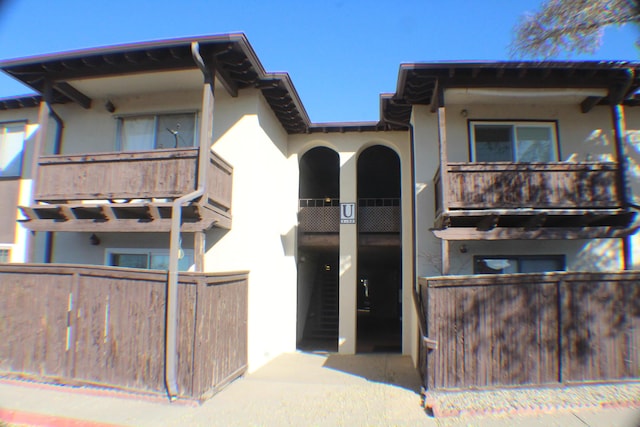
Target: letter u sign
x: 347, y: 213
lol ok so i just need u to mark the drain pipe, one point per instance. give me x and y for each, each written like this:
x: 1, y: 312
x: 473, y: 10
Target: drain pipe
x: 171, y: 368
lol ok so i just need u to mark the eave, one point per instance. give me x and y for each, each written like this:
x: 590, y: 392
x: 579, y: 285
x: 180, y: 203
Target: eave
x: 231, y: 56
x: 425, y: 83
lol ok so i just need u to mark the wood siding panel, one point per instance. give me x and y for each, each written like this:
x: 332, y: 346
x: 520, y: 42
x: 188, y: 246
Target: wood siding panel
x: 219, y: 184
x: 531, y: 185
x: 117, y: 321
x: 600, y: 324
x: 33, y: 323
x: 531, y: 329
x: 158, y: 173
x: 9, y: 190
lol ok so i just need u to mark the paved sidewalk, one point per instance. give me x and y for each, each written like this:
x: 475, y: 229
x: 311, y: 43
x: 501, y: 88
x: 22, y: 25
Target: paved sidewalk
x: 298, y: 389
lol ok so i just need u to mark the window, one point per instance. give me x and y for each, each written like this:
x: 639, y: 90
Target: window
x: 11, y: 149
x: 518, y: 264
x: 5, y: 254
x: 154, y: 259
x: 149, y: 132
x: 513, y: 142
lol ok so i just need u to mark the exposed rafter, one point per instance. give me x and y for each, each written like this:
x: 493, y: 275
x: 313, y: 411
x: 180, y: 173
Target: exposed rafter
x: 73, y: 94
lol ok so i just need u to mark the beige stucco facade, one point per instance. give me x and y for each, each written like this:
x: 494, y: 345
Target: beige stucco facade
x: 266, y: 187
x: 581, y: 137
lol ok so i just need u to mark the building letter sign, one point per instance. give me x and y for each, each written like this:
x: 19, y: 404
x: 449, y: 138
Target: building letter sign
x: 347, y: 213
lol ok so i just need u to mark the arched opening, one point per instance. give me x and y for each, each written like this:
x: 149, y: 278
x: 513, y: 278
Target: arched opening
x: 318, y: 250
x: 379, y: 311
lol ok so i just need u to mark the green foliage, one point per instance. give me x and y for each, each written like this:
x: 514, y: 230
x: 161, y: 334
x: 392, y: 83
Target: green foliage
x: 570, y: 26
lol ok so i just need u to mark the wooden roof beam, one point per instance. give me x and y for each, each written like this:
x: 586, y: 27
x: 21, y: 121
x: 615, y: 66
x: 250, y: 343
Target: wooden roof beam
x: 618, y: 91
x: 74, y: 94
x: 487, y: 223
x: 437, y: 97
x: 210, y: 69
x: 590, y: 102
x: 227, y: 81
x: 535, y: 221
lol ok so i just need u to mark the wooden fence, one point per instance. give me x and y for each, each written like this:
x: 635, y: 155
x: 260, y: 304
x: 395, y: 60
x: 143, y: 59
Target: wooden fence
x: 530, y: 329
x: 106, y: 326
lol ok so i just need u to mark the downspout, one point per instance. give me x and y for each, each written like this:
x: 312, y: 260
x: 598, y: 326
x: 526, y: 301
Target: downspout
x: 619, y: 134
x: 171, y: 368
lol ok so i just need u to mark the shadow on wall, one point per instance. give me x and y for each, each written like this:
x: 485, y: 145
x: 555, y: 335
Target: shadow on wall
x: 598, y: 255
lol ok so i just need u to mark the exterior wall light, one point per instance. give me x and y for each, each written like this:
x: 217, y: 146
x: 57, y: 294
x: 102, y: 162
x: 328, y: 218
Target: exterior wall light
x: 94, y: 240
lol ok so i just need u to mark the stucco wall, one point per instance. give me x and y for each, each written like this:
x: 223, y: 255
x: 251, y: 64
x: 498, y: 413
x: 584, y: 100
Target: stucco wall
x: 17, y: 191
x: 94, y: 130
x: 74, y: 248
x: 581, y: 137
x: 262, y: 237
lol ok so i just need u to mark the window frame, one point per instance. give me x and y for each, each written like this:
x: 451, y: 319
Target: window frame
x: 4, y: 125
x: 562, y: 259
x: 7, y: 248
x: 155, y: 115
x: 109, y: 252
x: 550, y: 124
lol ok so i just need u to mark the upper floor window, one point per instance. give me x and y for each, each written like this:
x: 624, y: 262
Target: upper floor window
x: 156, y: 131
x: 513, y: 141
x: 518, y: 264
x: 11, y: 149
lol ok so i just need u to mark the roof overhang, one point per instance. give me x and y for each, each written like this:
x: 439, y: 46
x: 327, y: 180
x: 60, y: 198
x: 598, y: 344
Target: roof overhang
x: 67, y: 77
x: 587, y: 83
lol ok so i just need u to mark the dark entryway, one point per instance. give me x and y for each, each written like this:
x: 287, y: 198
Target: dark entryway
x: 379, y: 321
x: 318, y: 250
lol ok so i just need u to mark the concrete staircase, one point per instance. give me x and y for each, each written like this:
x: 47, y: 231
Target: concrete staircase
x: 322, y: 320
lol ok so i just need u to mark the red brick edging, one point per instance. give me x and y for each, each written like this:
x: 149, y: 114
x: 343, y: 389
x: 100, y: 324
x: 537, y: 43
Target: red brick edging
x: 41, y: 420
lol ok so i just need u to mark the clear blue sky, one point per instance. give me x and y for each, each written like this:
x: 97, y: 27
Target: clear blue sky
x: 341, y: 54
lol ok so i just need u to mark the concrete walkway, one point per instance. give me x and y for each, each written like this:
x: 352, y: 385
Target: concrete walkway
x: 298, y: 389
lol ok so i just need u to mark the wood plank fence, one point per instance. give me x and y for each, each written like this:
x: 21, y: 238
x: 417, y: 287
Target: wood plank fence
x: 530, y: 329
x: 106, y: 326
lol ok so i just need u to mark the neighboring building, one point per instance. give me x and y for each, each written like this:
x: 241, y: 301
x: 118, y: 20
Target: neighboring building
x: 335, y: 221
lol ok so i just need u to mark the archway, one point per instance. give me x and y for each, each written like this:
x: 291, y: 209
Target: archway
x: 318, y: 250
x: 379, y: 311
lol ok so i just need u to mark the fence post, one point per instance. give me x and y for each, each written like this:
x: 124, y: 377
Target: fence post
x: 72, y: 322
x: 560, y: 305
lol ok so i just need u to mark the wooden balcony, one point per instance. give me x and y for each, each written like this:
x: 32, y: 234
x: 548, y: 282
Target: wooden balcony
x: 105, y: 326
x: 529, y: 200
x: 378, y: 221
x: 128, y: 191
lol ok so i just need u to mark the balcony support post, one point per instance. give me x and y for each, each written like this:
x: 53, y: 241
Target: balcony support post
x: 444, y: 180
x: 38, y: 147
x: 442, y: 145
x: 619, y: 137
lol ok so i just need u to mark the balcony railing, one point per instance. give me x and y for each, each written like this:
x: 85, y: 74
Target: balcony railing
x: 528, y: 185
x: 381, y: 215
x: 128, y: 175
x: 129, y: 191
